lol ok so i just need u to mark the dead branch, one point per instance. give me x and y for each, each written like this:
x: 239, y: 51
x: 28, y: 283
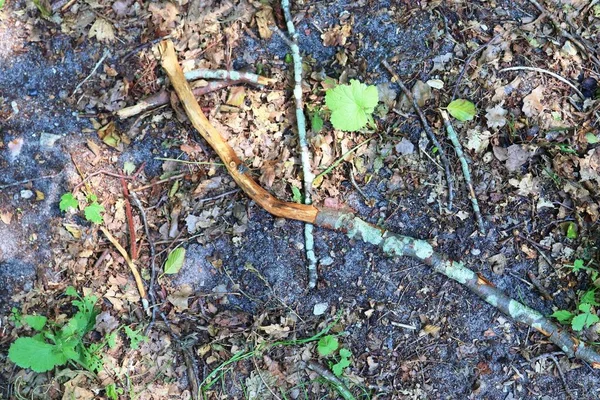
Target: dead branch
x: 307, y: 174
x: 355, y: 228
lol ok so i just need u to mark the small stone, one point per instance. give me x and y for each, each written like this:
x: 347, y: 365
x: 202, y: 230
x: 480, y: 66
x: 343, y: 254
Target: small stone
x: 476, y: 252
x: 320, y: 308
x: 326, y: 261
x: 32, y: 92
x: 26, y: 194
x: 47, y: 140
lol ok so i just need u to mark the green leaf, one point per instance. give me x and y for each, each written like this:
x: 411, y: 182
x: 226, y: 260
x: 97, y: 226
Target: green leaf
x: 296, y: 195
x: 584, y: 320
x: 111, y: 340
x: 589, y: 297
x: 175, y: 261
x: 128, y: 167
x: 112, y: 392
x: 591, y: 138
x: 572, y: 231
x: 327, y: 345
x: 93, y: 213
x: 135, y: 337
x: 563, y: 316
x: 351, y: 105
x: 91, y: 197
x: 462, y: 110
x: 345, y: 353
x: 316, y: 123
x: 70, y: 291
x: 37, y: 322
x: 1, y: 4
x: 67, y: 201
x: 36, y: 354
x: 577, y: 265
x: 338, y: 368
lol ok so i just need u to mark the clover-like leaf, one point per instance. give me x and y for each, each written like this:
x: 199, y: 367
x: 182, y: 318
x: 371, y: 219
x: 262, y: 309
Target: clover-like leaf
x: 462, y: 110
x: 93, y: 213
x: 351, y: 105
x: 327, y: 345
x: 562, y: 316
x: 67, y: 201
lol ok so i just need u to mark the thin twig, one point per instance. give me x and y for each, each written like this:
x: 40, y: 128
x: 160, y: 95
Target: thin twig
x: 304, y: 152
x: 465, y: 168
x: 538, y: 285
x: 562, y: 377
x: 566, y: 34
x: 136, y: 274
x: 468, y: 61
x: 428, y: 130
x: 227, y: 75
x: 29, y: 180
x: 343, y: 156
x: 158, y: 182
x: 151, y: 286
x: 163, y: 97
x: 100, y: 61
x: 332, y: 379
x: 132, y: 240
x: 545, y: 71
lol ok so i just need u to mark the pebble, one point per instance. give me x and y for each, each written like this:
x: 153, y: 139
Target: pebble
x: 26, y: 194
x: 32, y: 92
x: 47, y: 140
x: 326, y: 261
x: 320, y: 308
x: 476, y: 252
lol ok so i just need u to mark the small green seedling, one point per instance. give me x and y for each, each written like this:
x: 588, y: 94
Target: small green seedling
x: 296, y: 195
x: 113, y: 392
x: 327, y: 346
x: 462, y: 110
x: 55, y: 346
x: 586, y: 316
x: 135, y: 337
x: 93, y: 211
x: 351, y: 105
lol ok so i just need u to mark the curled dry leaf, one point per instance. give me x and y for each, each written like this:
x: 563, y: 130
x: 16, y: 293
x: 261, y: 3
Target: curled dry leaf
x: 102, y: 30
x: 532, y: 103
x: 496, y: 116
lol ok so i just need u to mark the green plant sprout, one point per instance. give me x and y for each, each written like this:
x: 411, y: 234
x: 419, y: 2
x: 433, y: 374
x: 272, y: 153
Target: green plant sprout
x: 327, y: 346
x: 351, y: 105
x: 92, y: 212
x: 585, y: 316
x: 54, y: 346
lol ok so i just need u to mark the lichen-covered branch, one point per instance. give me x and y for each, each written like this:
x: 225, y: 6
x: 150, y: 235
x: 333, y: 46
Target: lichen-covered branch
x: 226, y: 75
x: 355, y: 228
x: 304, y: 152
x: 465, y: 168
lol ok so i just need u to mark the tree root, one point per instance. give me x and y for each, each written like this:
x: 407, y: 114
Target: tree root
x: 355, y: 228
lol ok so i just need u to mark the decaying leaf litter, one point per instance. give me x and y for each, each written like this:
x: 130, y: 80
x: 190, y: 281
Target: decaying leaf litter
x: 515, y: 160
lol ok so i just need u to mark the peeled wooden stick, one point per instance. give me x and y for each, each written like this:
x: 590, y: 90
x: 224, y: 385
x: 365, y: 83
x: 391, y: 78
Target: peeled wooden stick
x: 136, y: 274
x: 355, y: 228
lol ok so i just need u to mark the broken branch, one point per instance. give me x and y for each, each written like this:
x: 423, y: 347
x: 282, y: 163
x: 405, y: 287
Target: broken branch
x: 355, y: 228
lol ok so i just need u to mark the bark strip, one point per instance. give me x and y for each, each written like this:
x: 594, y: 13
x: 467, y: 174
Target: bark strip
x: 355, y: 228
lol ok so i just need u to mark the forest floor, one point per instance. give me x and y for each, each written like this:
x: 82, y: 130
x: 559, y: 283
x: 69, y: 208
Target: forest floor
x: 237, y: 319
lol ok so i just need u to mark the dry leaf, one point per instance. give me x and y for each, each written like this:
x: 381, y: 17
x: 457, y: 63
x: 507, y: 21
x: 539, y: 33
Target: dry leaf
x: 496, y: 116
x: 102, y: 30
x: 264, y: 21
x: 532, y: 103
x: 517, y: 156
